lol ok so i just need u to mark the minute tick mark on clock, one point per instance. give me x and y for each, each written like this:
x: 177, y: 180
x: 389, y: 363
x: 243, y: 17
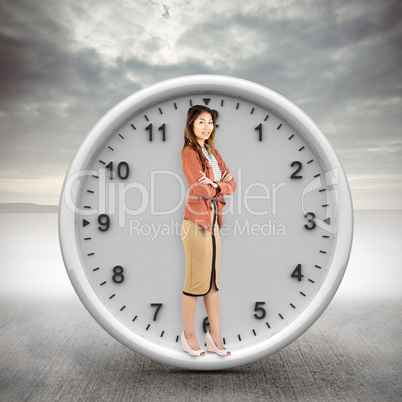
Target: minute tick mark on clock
x: 325, y: 236
x: 113, y: 295
x: 280, y: 125
x: 325, y: 205
x: 237, y: 106
x: 266, y: 117
x: 317, y: 266
x: 254, y: 333
x: 252, y: 111
x: 95, y: 269
x: 110, y: 148
x: 96, y: 177
x: 311, y: 160
x: 122, y: 308
x: 134, y: 318
x: 311, y: 281
x: 160, y: 111
x: 103, y: 283
x: 87, y: 238
x: 300, y: 149
x: 292, y: 305
x: 162, y: 333
x: 319, y: 174
x: 132, y: 125
x: 268, y: 325
x: 320, y: 191
x: 146, y: 117
x: 121, y: 136
x: 280, y: 315
x: 291, y: 137
x: 302, y: 294
x: 323, y: 252
x: 148, y: 327
x: 90, y: 254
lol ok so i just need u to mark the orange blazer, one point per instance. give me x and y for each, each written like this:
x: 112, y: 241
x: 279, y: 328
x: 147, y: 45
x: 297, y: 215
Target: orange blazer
x: 198, y: 205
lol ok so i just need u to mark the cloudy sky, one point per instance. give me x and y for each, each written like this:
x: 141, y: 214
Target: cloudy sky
x: 65, y: 63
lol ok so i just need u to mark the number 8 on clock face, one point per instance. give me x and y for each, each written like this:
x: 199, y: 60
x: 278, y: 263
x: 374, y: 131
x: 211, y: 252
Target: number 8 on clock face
x: 287, y: 230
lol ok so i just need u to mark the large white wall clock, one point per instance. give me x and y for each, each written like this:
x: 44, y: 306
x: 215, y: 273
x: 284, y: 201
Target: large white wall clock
x: 287, y: 231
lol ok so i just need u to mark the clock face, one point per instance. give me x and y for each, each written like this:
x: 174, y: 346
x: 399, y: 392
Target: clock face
x: 287, y: 229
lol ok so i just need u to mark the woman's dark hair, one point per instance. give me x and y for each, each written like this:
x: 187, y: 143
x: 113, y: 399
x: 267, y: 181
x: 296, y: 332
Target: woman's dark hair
x: 190, y: 138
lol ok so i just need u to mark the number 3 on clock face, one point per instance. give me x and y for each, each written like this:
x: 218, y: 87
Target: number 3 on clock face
x: 287, y: 230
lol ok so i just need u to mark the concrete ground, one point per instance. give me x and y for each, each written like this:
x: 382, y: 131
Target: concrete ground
x: 51, y: 349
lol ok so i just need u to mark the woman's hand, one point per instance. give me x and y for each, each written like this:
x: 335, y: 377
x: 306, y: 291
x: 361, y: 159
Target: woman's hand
x: 226, y: 178
x: 206, y: 180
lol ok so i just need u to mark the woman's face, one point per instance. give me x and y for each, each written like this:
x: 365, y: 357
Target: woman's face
x: 203, y: 127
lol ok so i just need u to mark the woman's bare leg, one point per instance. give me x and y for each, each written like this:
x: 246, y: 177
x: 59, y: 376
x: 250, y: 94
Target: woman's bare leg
x: 189, y: 303
x: 211, y: 302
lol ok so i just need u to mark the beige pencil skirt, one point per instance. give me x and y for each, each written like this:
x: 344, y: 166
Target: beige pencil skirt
x: 202, y: 250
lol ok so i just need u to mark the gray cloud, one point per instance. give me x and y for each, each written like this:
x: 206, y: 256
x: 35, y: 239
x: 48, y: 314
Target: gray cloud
x: 64, y: 64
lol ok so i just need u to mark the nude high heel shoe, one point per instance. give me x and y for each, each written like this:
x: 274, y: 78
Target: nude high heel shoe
x: 186, y: 347
x: 211, y: 347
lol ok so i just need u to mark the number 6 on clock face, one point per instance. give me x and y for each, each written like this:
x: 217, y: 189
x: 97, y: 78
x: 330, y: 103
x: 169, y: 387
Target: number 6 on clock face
x: 287, y: 230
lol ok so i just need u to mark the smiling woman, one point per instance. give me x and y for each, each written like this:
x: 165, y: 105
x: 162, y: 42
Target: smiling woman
x: 203, y: 127
x: 208, y: 179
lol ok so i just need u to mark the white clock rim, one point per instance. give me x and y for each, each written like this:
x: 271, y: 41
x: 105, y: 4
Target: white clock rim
x: 224, y: 85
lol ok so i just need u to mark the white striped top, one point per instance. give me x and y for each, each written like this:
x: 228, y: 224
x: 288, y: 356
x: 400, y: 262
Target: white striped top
x: 213, y: 162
